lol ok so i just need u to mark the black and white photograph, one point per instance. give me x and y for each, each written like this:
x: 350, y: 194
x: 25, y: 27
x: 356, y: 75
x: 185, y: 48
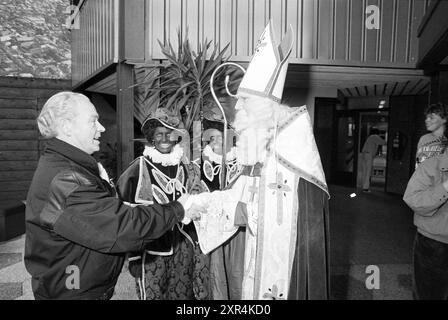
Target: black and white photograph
x: 239, y: 151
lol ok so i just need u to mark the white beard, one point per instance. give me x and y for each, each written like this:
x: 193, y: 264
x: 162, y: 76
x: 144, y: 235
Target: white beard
x: 252, y: 146
x: 254, y: 122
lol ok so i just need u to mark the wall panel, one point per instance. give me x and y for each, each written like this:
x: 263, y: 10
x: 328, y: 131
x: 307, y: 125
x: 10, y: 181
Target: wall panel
x: 418, y: 10
x: 356, y: 30
x: 259, y: 19
x: 226, y: 24
x: 294, y: 18
x: 327, y: 32
x: 173, y: 17
x: 277, y: 14
x: 20, y: 102
x: 308, y: 29
x: 93, y: 44
x: 190, y: 19
x: 135, y: 26
x: 209, y: 20
x: 157, y: 33
x: 341, y: 25
x: 242, y: 28
x: 371, y: 36
x: 386, y: 30
x: 402, y: 33
x: 325, y: 29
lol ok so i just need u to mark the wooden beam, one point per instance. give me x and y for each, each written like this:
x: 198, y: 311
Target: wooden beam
x: 18, y: 135
x: 15, y: 185
x: 18, y: 124
x: 19, y: 155
x: 347, y: 77
x: 108, y: 85
x: 19, y: 103
x: 125, y: 99
x: 12, y: 175
x: 439, y: 83
x: 35, y: 83
x: 10, y: 195
x: 18, y: 165
x: 125, y: 116
x: 18, y: 113
x: 97, y: 76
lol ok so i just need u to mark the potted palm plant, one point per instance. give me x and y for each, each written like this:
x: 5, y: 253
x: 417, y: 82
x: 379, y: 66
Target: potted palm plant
x: 183, y: 83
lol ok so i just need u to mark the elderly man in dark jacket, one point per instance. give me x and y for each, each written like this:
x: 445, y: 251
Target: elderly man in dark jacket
x: 77, y: 230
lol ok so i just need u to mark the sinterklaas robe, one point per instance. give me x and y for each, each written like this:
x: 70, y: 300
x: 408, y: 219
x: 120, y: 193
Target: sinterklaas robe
x: 284, y: 205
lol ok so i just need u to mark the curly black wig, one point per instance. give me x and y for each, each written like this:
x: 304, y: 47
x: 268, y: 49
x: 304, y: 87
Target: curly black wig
x: 149, y: 129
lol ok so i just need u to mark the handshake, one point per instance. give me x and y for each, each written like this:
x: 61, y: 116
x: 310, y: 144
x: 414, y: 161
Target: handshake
x: 194, y: 205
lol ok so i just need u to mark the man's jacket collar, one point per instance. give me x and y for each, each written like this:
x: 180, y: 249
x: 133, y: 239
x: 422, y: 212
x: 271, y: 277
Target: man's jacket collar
x: 72, y: 153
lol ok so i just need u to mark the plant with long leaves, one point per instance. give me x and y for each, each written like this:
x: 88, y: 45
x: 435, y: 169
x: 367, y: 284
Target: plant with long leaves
x: 182, y: 85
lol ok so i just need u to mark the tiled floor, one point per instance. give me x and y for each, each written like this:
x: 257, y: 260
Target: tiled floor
x: 15, y: 282
x: 14, y: 279
x: 369, y: 229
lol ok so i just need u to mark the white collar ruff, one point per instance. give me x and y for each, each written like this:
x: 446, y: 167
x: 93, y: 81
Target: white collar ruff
x: 166, y: 159
x: 217, y: 158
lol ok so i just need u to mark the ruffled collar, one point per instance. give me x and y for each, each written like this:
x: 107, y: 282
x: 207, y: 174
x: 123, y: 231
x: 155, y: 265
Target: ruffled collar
x: 166, y: 159
x: 217, y: 158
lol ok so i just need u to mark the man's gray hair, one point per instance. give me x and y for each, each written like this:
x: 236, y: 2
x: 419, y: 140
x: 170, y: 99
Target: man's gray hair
x: 61, y: 106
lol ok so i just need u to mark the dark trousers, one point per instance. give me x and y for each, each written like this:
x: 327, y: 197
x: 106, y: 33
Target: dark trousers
x: 430, y: 269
